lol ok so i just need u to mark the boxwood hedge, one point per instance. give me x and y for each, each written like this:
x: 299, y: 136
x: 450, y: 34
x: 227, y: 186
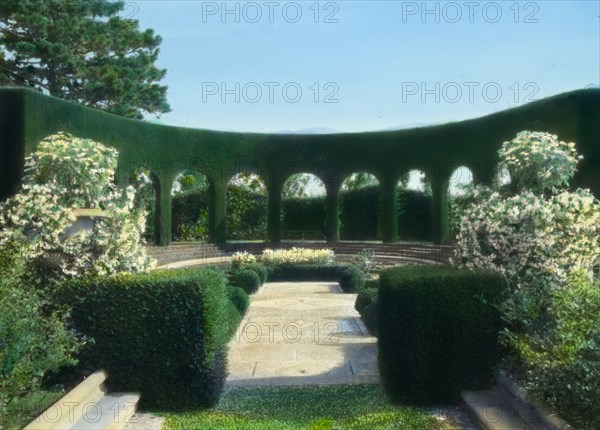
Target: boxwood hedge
x: 438, y: 331
x: 303, y: 272
x: 162, y: 334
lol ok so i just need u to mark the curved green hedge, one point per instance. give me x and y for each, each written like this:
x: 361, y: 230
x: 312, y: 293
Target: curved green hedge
x: 27, y: 116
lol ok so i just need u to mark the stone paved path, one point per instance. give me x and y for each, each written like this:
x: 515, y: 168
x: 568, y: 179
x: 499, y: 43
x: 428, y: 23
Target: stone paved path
x: 302, y: 333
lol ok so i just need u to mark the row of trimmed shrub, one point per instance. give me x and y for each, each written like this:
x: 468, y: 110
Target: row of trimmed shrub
x: 437, y: 330
x: 163, y: 333
x: 250, y: 276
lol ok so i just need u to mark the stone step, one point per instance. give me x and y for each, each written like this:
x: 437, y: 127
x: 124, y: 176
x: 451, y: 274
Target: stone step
x: 492, y: 412
x: 88, y: 407
x: 109, y: 413
x: 533, y: 414
x: 184, y: 251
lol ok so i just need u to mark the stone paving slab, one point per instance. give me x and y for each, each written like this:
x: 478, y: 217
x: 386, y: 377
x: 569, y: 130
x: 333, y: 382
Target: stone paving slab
x: 302, y: 333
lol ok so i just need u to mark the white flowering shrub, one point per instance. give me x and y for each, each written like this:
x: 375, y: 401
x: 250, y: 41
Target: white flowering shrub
x: 528, y: 236
x: 297, y: 256
x: 244, y: 257
x: 538, y: 161
x: 33, y: 221
x: 546, y: 241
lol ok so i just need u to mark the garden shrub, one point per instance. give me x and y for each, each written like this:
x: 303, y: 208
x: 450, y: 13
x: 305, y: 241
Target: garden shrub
x: 370, y: 317
x: 372, y: 283
x: 259, y: 269
x: 239, y: 298
x: 365, y: 260
x: 33, y: 340
x: 563, y: 364
x: 364, y: 298
x: 162, y: 333
x: 63, y: 174
x: 367, y: 306
x: 303, y: 272
x: 541, y: 237
x: 438, y: 331
x: 351, y: 278
x: 247, y: 280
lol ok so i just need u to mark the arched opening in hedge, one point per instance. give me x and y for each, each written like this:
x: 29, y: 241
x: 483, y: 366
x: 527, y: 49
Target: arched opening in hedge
x: 189, y: 208
x: 246, y: 207
x: 360, y: 207
x: 414, y: 206
x: 303, y: 207
x: 461, y: 180
x: 146, y: 198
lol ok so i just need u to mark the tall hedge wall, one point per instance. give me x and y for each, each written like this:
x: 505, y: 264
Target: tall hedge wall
x: 438, y: 332
x: 359, y: 214
x: 246, y: 213
x: 162, y: 334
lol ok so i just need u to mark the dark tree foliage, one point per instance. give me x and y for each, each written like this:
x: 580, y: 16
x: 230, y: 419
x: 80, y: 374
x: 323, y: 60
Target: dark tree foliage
x: 82, y: 50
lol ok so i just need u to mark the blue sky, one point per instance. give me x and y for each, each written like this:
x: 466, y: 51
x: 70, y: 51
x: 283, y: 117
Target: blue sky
x: 379, y: 64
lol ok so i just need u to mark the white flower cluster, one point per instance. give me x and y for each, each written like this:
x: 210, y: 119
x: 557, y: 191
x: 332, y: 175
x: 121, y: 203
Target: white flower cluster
x: 538, y: 160
x: 297, y: 256
x: 64, y: 174
x: 239, y: 258
x: 527, y: 236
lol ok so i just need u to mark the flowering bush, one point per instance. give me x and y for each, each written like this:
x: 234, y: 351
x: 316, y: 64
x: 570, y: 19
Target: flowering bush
x: 297, y: 256
x: 64, y: 174
x: 527, y: 236
x: 365, y: 260
x: 239, y: 258
x: 546, y: 241
x: 539, y: 161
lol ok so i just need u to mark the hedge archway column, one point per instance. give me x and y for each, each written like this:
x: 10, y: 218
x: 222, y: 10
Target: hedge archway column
x: 164, y: 186
x: 439, y: 207
x: 333, y: 210
x: 274, y: 189
x: 217, y: 212
x: 389, y: 211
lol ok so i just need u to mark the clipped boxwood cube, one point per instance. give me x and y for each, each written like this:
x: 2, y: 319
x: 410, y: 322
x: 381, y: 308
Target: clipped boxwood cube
x: 438, y: 332
x: 162, y: 333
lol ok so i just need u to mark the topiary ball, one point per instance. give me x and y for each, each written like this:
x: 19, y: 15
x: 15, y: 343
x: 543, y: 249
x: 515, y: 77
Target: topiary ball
x: 260, y: 270
x: 351, y: 279
x: 247, y: 280
x: 239, y: 298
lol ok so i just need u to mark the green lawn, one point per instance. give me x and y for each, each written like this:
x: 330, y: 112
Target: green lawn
x: 347, y: 407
